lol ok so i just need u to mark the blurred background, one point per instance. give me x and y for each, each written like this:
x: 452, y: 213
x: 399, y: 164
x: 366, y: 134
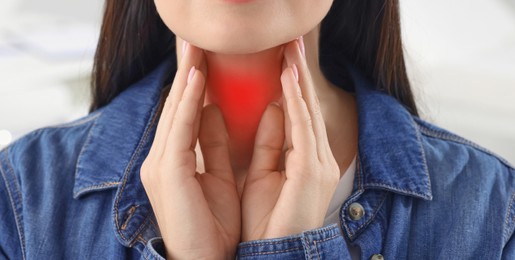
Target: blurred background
x: 461, y: 60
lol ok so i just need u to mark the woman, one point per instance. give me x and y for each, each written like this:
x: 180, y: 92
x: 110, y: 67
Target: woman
x: 289, y: 130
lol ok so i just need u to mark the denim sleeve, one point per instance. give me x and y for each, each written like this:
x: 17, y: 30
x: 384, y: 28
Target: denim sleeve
x: 154, y: 250
x: 10, y: 212
x: 323, y: 243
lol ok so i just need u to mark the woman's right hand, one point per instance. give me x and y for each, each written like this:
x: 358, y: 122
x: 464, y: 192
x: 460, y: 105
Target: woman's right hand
x: 198, y: 214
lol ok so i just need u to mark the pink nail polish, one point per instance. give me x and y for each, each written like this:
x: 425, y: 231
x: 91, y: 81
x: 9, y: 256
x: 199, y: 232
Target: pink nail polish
x: 184, y: 46
x: 301, y: 45
x: 295, y: 72
x: 191, y: 74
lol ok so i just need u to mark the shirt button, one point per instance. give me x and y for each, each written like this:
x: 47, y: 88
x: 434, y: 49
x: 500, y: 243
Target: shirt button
x: 377, y: 257
x: 356, y: 211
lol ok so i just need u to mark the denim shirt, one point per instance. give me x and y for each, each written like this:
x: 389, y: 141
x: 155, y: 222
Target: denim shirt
x: 73, y: 191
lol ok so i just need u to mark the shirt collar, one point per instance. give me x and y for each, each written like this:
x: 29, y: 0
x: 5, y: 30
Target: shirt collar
x: 117, y: 133
x: 391, y: 156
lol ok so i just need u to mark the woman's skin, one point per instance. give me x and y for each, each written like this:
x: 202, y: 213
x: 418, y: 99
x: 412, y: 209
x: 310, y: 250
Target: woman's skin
x: 277, y: 183
x: 337, y: 106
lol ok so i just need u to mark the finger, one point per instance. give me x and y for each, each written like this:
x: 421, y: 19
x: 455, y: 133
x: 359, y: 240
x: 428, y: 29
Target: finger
x: 214, y: 144
x: 302, y: 136
x: 293, y: 55
x: 287, y: 124
x: 182, y: 137
x: 193, y: 56
x: 196, y: 126
x: 269, y: 143
x: 287, y: 144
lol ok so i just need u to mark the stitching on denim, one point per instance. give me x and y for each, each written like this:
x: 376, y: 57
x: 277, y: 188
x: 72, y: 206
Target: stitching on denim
x: 82, y: 150
x: 409, y: 192
x: 131, y: 212
x: 18, y: 190
x: 77, y: 123
x: 272, y: 252
x: 39, y: 130
x: 350, y: 200
x: 270, y: 243
x: 140, y: 228
x: 359, y: 170
x: 305, y: 248
x: 17, y: 218
x: 321, y: 241
x: 460, y: 140
x: 420, y: 146
x: 349, y: 232
x: 127, y: 170
x: 305, y: 245
x: 374, y: 213
x: 142, y: 239
x: 316, y: 248
x: 321, y: 230
x: 109, y: 184
x: 353, y: 197
x: 509, y: 218
x: 509, y: 208
x: 358, y: 230
x: 11, y: 167
x: 296, y: 238
x: 327, y: 238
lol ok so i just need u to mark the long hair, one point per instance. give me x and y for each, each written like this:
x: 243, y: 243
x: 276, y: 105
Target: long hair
x: 134, y: 40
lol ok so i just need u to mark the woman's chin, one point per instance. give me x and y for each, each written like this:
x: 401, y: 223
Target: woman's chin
x: 236, y: 47
x: 237, y: 44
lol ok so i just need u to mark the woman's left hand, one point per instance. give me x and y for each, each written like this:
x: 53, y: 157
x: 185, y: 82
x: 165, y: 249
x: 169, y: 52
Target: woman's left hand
x: 277, y: 202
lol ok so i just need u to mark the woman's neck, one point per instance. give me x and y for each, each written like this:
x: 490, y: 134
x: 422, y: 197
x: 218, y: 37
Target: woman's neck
x: 243, y: 85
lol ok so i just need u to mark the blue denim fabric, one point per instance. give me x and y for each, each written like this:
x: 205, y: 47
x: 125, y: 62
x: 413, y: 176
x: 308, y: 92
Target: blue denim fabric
x: 73, y: 191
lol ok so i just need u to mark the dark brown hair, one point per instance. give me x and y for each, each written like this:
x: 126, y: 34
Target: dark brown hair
x: 366, y: 33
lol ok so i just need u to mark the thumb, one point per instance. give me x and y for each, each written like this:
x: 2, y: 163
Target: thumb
x: 269, y: 143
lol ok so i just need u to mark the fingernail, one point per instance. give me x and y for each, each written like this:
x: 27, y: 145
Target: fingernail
x: 275, y: 103
x: 184, y: 46
x: 295, y: 72
x: 301, y: 45
x: 191, y: 74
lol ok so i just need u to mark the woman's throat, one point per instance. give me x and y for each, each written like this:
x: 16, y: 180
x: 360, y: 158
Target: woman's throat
x: 242, y: 97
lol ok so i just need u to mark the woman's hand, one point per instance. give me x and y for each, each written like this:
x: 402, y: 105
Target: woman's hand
x: 198, y: 214
x: 276, y: 202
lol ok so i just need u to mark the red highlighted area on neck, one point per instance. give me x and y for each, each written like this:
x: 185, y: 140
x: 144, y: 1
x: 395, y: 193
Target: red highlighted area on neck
x: 242, y: 100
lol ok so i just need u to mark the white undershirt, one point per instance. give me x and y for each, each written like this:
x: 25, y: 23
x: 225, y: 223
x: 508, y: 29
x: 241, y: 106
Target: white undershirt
x: 343, y: 191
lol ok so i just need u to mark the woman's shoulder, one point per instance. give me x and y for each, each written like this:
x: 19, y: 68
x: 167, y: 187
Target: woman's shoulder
x: 458, y: 164
x: 473, y: 182
x: 442, y: 145
x: 46, y: 147
x: 38, y: 177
